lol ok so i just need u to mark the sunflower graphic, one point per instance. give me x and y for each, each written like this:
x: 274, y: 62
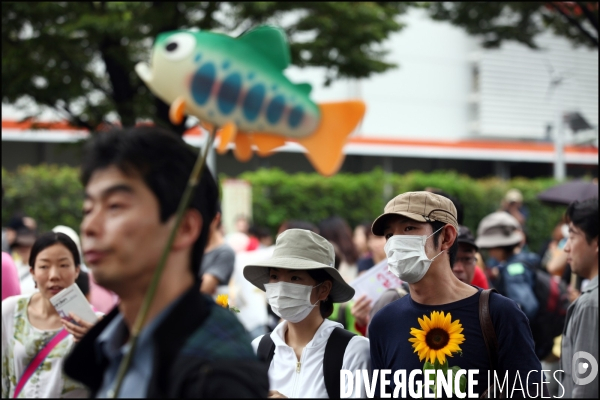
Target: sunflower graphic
x: 438, y: 337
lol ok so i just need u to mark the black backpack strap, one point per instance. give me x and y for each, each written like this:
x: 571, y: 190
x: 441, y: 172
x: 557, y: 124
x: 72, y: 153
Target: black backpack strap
x: 489, y: 337
x: 487, y: 327
x: 334, y: 360
x: 266, y: 349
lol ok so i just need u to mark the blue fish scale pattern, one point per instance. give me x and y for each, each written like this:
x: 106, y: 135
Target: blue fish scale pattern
x: 221, y: 336
x: 230, y: 91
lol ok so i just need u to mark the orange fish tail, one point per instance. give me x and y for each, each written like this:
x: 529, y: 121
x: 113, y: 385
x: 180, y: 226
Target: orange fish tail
x: 325, y: 146
x: 227, y: 135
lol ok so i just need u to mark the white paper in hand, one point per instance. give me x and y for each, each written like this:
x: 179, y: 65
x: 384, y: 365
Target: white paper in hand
x: 375, y: 281
x: 71, y: 299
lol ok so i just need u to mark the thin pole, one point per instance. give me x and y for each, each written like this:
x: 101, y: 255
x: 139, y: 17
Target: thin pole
x: 141, y: 317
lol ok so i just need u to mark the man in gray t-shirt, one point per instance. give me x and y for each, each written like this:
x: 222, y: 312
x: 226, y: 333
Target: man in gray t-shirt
x: 218, y: 261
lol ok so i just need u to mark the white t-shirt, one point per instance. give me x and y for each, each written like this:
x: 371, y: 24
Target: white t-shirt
x: 251, y: 301
x: 25, y: 277
x: 20, y: 343
x: 306, y: 379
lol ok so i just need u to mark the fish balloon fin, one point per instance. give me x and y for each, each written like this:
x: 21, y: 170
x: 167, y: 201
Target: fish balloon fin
x: 266, y: 143
x: 324, y: 146
x: 243, y: 148
x: 305, y: 88
x: 227, y: 134
x: 271, y: 43
x: 177, y: 111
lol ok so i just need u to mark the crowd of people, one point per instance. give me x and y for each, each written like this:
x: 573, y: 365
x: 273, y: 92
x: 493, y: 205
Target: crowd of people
x: 301, y: 320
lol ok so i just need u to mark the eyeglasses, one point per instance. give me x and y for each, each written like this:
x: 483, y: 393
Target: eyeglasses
x: 466, y: 260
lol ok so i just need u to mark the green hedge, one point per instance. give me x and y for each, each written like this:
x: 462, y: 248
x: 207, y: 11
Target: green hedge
x: 53, y: 195
x: 278, y: 196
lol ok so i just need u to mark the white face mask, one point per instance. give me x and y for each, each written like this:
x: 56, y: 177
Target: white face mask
x: 406, y: 256
x: 290, y: 301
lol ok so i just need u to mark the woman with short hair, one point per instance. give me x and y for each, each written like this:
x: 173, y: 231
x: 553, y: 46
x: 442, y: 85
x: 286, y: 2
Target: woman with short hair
x: 302, y: 284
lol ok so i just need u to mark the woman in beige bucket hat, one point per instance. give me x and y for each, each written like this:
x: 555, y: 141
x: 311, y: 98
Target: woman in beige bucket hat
x: 301, y: 285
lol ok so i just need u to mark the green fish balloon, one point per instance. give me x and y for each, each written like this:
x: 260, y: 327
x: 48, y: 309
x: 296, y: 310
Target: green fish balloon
x: 238, y: 84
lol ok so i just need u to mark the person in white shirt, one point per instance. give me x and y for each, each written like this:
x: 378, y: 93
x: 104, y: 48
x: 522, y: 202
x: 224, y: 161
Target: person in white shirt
x: 30, y: 323
x: 301, y: 285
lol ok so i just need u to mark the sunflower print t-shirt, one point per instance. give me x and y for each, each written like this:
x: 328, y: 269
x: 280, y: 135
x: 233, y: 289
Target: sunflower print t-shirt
x: 20, y: 343
x: 405, y: 334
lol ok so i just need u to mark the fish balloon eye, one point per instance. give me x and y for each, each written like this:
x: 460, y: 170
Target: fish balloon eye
x: 179, y: 45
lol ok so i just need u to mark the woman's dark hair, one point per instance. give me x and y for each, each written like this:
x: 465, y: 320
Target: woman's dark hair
x: 337, y: 230
x: 164, y: 162
x: 366, y: 228
x: 509, y: 250
x: 83, y: 281
x: 435, y: 225
x: 320, y: 276
x: 584, y: 215
x: 49, y: 239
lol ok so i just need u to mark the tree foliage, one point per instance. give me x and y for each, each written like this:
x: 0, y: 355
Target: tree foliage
x: 79, y: 57
x: 278, y: 196
x: 496, y: 22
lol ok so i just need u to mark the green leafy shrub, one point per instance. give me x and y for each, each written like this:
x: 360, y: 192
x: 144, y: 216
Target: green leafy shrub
x: 53, y: 195
x: 278, y: 196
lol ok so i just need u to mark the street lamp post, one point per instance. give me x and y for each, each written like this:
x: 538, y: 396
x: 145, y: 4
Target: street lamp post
x: 559, y: 150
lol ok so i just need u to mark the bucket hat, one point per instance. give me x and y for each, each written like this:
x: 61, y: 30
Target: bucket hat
x: 497, y: 230
x: 301, y: 250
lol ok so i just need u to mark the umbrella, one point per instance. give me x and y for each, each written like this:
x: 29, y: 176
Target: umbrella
x: 568, y: 192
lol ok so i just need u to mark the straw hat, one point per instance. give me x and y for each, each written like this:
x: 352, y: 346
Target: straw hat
x: 301, y: 250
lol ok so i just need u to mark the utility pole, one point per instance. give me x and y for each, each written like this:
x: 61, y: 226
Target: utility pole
x: 556, y: 79
x: 559, y: 148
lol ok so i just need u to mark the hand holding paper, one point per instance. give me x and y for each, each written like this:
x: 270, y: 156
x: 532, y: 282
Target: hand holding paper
x: 375, y: 281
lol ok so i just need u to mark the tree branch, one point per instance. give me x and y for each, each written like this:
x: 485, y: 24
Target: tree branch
x: 575, y: 23
x: 73, y: 118
x: 588, y: 14
x: 208, y: 21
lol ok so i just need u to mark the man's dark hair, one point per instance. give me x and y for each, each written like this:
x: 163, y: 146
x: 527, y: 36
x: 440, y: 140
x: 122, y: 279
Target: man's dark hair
x: 436, y: 225
x: 164, y: 162
x: 50, y: 239
x: 584, y: 215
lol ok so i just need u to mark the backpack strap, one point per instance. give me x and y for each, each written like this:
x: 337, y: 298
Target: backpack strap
x: 266, y: 349
x: 38, y: 359
x: 334, y: 360
x: 489, y: 337
x: 487, y: 327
